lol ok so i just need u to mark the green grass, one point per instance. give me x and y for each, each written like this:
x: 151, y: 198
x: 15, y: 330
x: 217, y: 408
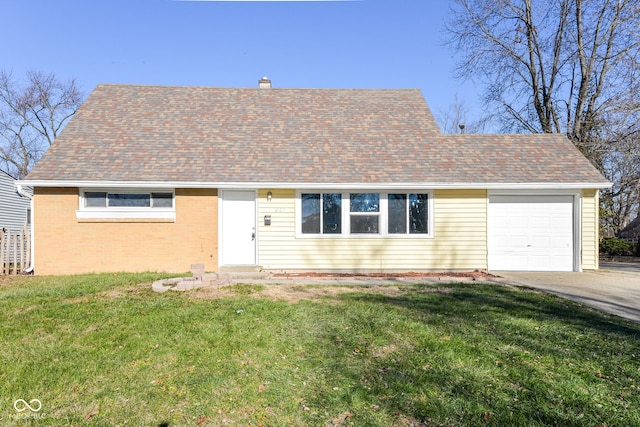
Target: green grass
x: 101, y: 350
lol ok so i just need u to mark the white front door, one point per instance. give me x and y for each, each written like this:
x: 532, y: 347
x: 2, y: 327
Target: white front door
x: 238, y: 227
x: 531, y: 233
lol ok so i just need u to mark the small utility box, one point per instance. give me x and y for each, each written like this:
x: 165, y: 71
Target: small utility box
x: 197, y: 271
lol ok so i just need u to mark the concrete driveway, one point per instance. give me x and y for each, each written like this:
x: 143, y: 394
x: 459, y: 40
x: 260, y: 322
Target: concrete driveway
x: 615, y: 288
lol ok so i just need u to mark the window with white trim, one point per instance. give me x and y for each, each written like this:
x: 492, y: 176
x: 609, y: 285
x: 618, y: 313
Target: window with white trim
x: 364, y: 214
x: 408, y: 213
x: 126, y: 204
x: 96, y: 199
x: 321, y: 211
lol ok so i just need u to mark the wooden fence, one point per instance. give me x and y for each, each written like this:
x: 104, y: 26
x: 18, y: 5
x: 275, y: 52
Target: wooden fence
x: 15, y: 251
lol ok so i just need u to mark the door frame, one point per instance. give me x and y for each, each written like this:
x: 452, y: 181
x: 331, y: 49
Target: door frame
x: 221, y: 224
x: 577, y: 217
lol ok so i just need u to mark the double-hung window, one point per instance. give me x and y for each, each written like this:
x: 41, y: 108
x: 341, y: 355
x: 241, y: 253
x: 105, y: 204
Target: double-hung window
x: 391, y: 214
x: 364, y: 213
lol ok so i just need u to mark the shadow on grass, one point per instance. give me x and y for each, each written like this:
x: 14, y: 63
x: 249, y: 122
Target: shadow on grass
x: 489, y: 356
x: 463, y: 301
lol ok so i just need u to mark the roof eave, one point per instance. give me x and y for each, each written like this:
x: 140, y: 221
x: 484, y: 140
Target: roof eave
x: 319, y: 185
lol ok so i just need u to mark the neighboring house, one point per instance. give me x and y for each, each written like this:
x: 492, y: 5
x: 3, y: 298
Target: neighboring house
x: 15, y: 204
x: 342, y: 180
x: 632, y: 231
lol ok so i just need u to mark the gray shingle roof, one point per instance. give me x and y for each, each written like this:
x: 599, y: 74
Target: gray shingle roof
x: 302, y: 136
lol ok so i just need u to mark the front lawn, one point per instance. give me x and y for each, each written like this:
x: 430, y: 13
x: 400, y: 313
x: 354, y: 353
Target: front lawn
x: 105, y: 350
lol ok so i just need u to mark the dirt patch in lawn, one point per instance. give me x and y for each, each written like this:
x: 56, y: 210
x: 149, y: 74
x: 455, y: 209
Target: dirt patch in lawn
x: 296, y: 292
x: 291, y: 292
x: 309, y: 286
x: 9, y: 280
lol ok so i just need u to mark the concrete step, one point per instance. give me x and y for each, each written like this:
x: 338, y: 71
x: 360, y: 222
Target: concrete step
x: 243, y: 272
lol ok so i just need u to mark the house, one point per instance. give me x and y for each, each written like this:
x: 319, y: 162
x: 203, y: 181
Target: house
x: 15, y: 204
x: 15, y: 215
x: 631, y: 232
x: 342, y: 180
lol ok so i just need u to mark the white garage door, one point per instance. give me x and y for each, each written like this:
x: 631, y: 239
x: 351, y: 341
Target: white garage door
x: 531, y: 233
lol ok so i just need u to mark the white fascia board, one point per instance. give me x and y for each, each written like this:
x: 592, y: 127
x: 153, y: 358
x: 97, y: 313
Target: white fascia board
x: 306, y: 186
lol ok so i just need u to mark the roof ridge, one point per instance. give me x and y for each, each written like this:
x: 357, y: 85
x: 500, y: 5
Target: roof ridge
x: 160, y: 86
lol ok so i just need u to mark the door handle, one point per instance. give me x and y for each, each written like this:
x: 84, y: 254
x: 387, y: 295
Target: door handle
x: 253, y: 236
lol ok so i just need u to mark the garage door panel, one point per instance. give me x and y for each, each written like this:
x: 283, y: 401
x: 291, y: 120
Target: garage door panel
x: 518, y: 222
x: 560, y: 242
x: 560, y: 221
x: 539, y: 261
x: 558, y: 263
x: 532, y: 233
x: 560, y: 227
x: 499, y: 221
x: 541, y: 241
x: 517, y: 242
x: 541, y: 223
x: 501, y: 240
x: 517, y: 261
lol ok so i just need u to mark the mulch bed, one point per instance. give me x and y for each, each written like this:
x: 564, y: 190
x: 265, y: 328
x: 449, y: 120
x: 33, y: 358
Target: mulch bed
x: 478, y: 274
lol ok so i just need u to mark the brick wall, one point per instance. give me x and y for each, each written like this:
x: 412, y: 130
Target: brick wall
x: 66, y: 245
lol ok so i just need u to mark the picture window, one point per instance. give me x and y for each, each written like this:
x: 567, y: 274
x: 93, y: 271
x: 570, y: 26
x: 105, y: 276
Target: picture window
x: 365, y: 213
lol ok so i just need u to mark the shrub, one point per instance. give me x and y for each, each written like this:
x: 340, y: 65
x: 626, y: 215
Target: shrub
x: 616, y: 247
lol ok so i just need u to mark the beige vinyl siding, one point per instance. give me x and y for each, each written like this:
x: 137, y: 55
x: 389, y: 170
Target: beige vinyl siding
x: 590, y: 229
x: 459, y: 242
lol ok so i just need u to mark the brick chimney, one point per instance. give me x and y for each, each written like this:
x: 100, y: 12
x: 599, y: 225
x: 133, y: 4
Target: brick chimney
x: 264, y: 83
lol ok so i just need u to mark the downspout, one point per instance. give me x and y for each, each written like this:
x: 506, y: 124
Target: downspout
x: 22, y: 193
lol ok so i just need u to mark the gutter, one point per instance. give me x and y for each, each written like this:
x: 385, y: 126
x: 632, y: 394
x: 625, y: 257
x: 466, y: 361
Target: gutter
x: 322, y: 185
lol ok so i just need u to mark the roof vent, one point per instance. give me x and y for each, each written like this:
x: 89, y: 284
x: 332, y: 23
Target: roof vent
x: 264, y: 83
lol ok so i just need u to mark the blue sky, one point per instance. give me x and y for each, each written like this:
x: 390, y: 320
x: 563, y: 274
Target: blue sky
x: 306, y: 44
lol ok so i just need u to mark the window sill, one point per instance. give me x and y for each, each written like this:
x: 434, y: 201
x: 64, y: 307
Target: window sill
x: 364, y: 236
x: 121, y: 215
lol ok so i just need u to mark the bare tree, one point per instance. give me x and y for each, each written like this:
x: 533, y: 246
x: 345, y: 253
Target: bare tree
x: 552, y: 65
x: 458, y: 119
x: 565, y: 66
x: 621, y: 158
x: 32, y: 116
